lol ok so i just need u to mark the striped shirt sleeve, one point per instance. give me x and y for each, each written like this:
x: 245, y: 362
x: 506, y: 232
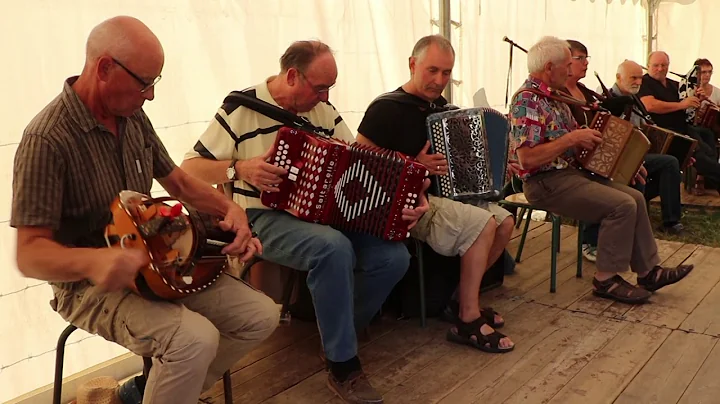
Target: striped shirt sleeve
x: 340, y: 129
x: 217, y: 142
x: 38, y: 181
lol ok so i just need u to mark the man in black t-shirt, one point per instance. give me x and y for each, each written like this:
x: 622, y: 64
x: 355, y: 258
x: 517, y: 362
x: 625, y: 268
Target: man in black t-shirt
x: 661, y: 98
x: 451, y: 228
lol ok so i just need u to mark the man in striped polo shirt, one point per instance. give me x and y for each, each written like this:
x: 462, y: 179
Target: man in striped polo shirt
x: 91, y: 142
x: 234, y: 148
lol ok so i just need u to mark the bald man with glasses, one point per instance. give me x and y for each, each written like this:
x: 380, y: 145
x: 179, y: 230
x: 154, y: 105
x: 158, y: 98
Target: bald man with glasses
x: 86, y: 146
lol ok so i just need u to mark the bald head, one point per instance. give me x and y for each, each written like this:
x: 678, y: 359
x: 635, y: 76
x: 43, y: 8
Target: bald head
x: 658, y: 65
x: 123, y: 38
x: 629, y: 77
x: 123, y: 62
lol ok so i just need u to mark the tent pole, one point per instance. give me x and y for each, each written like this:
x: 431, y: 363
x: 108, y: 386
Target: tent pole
x: 445, y: 30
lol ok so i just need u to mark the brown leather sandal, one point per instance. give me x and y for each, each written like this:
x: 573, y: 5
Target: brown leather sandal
x: 617, y: 288
x: 659, y: 277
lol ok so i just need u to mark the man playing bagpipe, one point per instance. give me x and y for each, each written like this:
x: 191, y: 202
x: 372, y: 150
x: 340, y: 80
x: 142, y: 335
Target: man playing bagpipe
x: 660, y: 96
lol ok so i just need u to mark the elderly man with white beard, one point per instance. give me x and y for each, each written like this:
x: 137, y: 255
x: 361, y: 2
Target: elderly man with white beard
x: 663, y: 171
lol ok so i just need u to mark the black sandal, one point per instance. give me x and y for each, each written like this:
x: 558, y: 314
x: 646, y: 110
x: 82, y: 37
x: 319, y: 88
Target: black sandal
x: 617, y: 288
x: 660, y: 277
x: 451, y: 314
x: 463, y: 333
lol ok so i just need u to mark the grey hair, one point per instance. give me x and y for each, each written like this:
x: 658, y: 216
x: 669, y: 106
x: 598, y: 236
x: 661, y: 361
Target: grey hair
x: 622, y: 67
x: 424, y: 43
x: 547, y: 49
x: 108, y: 38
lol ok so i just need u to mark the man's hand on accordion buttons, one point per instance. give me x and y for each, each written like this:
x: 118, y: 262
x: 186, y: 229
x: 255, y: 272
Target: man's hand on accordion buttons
x: 258, y: 172
x: 513, y: 167
x: 586, y: 138
x: 244, y: 245
x: 640, y: 176
x: 413, y: 215
x: 435, y: 163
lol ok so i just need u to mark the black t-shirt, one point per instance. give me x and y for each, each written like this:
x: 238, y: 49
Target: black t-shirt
x: 673, y: 120
x: 398, y: 126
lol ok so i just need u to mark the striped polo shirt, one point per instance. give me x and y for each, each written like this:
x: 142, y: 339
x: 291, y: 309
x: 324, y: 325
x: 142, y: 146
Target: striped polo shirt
x: 240, y: 133
x: 68, y: 169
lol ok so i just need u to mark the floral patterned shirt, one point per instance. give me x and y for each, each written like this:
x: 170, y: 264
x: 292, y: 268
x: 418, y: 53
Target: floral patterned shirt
x: 537, y: 120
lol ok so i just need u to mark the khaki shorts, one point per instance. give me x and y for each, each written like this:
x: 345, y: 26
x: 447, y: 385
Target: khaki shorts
x: 450, y: 227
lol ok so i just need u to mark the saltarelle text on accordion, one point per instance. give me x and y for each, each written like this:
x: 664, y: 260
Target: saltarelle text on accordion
x: 475, y: 143
x: 354, y: 187
x: 622, y: 150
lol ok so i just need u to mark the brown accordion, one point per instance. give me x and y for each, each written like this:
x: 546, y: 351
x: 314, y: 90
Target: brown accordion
x: 664, y: 141
x: 621, y: 152
x: 707, y: 116
x: 354, y: 188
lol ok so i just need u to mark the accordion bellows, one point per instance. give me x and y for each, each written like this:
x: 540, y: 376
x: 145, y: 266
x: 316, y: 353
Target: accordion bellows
x: 354, y: 188
x: 621, y: 152
x: 665, y: 141
x: 475, y: 143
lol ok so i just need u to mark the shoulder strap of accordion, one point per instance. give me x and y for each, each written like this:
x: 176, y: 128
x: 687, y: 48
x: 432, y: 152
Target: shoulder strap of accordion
x: 409, y: 99
x: 271, y: 111
x: 554, y: 96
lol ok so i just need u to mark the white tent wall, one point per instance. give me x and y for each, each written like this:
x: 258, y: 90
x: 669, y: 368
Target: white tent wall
x: 211, y: 47
x: 612, y: 30
x: 685, y: 29
x: 214, y: 46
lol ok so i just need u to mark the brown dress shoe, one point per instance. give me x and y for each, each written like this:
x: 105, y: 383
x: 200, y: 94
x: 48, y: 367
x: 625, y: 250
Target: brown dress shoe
x: 355, y: 390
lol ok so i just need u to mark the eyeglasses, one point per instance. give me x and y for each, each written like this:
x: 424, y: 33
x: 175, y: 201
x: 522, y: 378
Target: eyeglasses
x: 582, y: 58
x: 706, y: 72
x: 145, y: 85
x: 320, y: 90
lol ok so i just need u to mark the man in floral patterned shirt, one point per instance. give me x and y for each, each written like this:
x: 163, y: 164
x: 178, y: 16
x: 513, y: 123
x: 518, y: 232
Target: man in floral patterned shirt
x: 544, y: 138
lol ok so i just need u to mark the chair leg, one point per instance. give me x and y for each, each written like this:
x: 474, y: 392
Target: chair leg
x: 421, y: 281
x: 227, y: 388
x: 147, y: 365
x: 524, y: 234
x: 581, y: 229
x: 59, y: 361
x: 287, y: 295
x: 520, y: 215
x: 553, y: 253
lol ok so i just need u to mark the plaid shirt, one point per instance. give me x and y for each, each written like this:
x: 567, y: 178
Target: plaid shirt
x: 537, y: 120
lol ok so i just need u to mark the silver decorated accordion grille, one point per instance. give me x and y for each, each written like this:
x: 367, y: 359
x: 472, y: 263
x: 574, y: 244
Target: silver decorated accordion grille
x: 475, y: 143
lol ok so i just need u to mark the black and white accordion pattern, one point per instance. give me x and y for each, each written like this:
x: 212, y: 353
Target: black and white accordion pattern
x: 475, y: 143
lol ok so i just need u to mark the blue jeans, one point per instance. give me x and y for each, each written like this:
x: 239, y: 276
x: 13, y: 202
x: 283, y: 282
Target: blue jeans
x: 349, y: 274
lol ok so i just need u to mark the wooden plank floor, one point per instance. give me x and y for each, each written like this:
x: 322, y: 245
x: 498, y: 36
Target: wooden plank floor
x: 571, y: 347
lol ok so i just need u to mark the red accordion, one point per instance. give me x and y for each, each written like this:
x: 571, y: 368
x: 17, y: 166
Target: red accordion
x: 354, y: 188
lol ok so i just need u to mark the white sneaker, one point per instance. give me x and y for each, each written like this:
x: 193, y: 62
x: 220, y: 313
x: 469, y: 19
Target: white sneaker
x: 589, y: 252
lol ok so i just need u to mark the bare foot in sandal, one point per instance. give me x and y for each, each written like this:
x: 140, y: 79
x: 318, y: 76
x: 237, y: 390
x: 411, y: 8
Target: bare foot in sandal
x: 480, y: 335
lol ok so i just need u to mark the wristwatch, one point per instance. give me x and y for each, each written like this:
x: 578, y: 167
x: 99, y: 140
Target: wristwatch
x: 230, y: 171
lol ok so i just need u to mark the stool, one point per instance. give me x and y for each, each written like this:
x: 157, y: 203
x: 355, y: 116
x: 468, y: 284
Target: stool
x: 147, y: 362
x: 519, y: 201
